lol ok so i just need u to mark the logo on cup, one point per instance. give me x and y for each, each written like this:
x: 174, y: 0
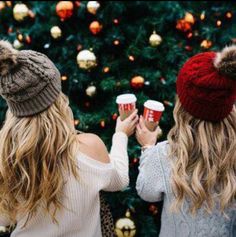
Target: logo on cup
x: 153, y: 111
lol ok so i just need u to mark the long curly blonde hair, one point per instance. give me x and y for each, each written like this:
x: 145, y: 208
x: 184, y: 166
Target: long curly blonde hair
x: 34, y: 154
x: 204, y: 164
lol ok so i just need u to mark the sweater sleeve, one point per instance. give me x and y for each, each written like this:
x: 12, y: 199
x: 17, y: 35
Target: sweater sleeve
x: 150, y: 183
x: 120, y: 163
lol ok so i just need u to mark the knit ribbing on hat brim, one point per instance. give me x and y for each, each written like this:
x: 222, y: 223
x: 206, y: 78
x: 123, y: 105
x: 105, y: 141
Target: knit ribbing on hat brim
x: 38, y: 103
x: 204, y: 110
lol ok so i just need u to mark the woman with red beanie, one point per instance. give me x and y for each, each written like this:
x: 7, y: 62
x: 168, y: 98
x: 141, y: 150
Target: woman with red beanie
x: 194, y: 172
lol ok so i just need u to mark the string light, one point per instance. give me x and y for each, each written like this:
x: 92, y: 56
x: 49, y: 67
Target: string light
x: 20, y: 37
x: 102, y: 123
x: 76, y: 122
x: 190, y: 35
x: 116, y: 42
x: 218, y: 23
x: 10, y: 30
x: 166, y: 102
x: 163, y: 81
x: 229, y: 15
x: 116, y: 21
x: 106, y: 69
x: 131, y: 58
x: 31, y: 14
x: 206, y: 44
x: 28, y: 39
x: 202, y: 16
x: 63, y: 78
x: 114, y: 116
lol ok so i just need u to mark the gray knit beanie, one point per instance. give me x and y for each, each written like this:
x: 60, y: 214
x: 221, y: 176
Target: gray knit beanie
x: 29, y: 81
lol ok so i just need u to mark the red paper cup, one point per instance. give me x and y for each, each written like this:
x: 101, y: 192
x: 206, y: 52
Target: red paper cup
x: 152, y: 113
x: 126, y: 104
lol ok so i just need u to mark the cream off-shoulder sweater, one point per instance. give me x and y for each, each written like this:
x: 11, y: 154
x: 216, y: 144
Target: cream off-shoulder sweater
x: 81, y: 217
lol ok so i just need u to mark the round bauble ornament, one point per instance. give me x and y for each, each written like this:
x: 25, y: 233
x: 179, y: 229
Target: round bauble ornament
x: 55, y: 32
x: 64, y: 9
x: 91, y: 91
x: 86, y: 59
x: 95, y: 27
x: 93, y: 6
x: 155, y: 39
x: 125, y: 227
x: 20, y: 11
x: 137, y: 82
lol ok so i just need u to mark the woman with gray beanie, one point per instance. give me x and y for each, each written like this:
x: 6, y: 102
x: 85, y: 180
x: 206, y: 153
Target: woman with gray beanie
x: 50, y: 177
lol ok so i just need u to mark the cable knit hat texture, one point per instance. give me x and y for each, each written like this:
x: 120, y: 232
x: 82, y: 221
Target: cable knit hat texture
x: 206, y: 84
x: 29, y: 81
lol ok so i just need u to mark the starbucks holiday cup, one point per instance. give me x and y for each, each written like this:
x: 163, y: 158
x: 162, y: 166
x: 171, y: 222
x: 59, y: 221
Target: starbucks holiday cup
x: 126, y: 105
x: 152, y: 113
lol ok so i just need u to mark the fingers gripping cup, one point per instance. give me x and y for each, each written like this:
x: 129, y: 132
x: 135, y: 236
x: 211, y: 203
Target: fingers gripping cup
x: 152, y: 113
x: 126, y: 105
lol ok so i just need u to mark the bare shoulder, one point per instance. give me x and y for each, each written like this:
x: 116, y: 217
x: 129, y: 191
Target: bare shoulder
x: 93, y: 146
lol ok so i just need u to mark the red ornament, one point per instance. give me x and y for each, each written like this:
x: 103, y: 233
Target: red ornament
x: 95, y: 27
x: 153, y: 209
x: 64, y: 9
x: 137, y: 82
x: 114, y: 116
x: 183, y: 25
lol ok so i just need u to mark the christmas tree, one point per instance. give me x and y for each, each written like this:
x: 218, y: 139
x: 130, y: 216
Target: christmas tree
x: 104, y: 49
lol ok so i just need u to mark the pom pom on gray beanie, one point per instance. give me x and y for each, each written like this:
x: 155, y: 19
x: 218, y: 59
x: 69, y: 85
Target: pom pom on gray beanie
x: 29, y: 81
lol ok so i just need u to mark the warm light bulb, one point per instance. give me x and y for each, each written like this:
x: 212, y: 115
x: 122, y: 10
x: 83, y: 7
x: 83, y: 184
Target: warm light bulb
x: 76, y: 122
x: 229, y: 14
x: 190, y: 35
x: 116, y: 21
x: 63, y: 78
x: 106, y: 69
x: 116, y: 42
x: 202, y: 16
x: 131, y: 58
x: 218, y: 23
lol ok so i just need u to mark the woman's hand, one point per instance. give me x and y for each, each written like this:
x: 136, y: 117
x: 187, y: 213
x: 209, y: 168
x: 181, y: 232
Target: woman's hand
x: 144, y: 136
x: 128, y: 125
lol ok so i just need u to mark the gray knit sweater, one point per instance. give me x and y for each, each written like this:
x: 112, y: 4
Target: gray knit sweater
x: 153, y: 184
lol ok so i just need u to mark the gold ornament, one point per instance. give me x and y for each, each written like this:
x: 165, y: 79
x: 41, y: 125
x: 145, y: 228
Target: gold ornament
x: 86, y: 59
x: 17, y: 44
x: 20, y: 11
x: 91, y: 91
x: 125, y: 227
x: 55, y: 32
x: 93, y: 6
x: 155, y: 39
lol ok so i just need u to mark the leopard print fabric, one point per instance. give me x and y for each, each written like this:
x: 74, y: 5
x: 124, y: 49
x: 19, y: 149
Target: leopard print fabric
x: 107, y: 224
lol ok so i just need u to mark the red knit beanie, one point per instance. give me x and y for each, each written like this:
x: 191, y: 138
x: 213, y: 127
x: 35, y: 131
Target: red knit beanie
x: 206, y: 84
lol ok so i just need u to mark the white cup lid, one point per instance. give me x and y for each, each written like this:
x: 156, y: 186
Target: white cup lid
x: 126, y: 99
x: 154, y: 105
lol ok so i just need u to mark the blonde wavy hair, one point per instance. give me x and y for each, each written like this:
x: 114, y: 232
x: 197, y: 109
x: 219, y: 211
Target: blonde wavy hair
x: 34, y: 154
x: 204, y: 165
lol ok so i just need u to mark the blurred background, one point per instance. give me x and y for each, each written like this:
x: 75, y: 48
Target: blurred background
x: 107, y: 48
